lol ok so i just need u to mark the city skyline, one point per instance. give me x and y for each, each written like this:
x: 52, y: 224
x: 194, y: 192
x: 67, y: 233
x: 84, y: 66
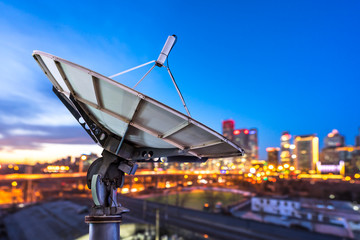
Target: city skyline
x: 274, y: 66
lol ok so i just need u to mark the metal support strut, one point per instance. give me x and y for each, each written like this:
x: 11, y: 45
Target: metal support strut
x: 104, y: 176
x: 170, y: 42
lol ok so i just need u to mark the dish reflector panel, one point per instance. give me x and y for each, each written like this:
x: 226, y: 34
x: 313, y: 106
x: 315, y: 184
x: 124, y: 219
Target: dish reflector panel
x: 126, y: 122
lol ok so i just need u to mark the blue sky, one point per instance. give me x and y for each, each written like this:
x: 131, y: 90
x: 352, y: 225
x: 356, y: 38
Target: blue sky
x: 275, y: 65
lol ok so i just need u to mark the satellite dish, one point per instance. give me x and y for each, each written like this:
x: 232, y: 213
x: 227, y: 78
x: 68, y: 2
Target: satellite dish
x: 130, y: 127
x: 128, y: 123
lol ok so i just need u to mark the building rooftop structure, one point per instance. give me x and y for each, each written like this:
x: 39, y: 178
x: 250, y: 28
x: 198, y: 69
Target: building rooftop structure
x: 53, y: 220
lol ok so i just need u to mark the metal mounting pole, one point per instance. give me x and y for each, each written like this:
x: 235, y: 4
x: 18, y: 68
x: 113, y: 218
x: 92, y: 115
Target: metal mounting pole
x: 104, y: 177
x: 104, y: 227
x: 157, y: 224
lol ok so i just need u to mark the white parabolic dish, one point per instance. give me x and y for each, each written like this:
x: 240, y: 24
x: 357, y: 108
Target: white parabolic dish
x: 134, y: 121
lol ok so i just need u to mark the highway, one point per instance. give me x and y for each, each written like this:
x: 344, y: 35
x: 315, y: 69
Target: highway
x: 40, y: 176
x: 82, y: 175
x: 214, y: 226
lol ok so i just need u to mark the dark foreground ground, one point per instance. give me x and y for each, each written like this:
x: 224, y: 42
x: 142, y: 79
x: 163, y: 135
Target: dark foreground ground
x: 63, y: 219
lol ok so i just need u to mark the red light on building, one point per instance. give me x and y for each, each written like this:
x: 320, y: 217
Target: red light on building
x: 236, y: 132
x: 285, y: 136
x: 246, y: 131
x: 228, y: 124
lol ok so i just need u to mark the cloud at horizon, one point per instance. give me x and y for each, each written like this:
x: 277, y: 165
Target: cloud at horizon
x: 31, y: 116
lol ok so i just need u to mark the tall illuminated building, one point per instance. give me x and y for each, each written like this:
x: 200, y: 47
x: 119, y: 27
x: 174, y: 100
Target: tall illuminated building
x: 334, y: 139
x: 228, y: 128
x: 329, y: 154
x: 247, y: 139
x: 241, y: 137
x: 253, y: 144
x: 273, y: 156
x: 357, y: 140
x: 306, y: 152
x: 350, y: 156
x: 285, y: 144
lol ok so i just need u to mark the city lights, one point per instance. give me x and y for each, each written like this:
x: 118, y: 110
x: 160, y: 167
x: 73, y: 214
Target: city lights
x: 56, y: 169
x: 282, y: 165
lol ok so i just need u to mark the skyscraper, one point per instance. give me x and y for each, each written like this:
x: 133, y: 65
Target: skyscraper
x: 253, y: 144
x: 329, y: 154
x: 228, y: 128
x: 350, y: 156
x: 306, y: 152
x: 334, y: 139
x: 357, y: 140
x: 245, y: 138
x: 285, y: 155
x: 248, y: 140
x: 273, y: 156
x: 241, y: 137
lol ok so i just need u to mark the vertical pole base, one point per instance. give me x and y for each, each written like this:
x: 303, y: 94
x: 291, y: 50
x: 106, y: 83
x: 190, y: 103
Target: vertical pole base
x: 104, y: 227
